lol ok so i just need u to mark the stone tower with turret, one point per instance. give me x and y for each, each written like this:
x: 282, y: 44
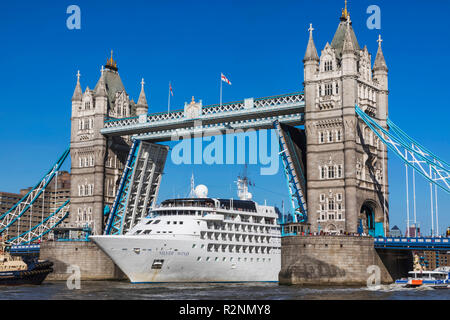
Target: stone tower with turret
x: 97, y: 161
x: 347, y: 187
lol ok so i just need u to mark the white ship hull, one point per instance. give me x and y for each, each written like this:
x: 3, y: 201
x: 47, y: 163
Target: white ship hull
x: 186, y: 259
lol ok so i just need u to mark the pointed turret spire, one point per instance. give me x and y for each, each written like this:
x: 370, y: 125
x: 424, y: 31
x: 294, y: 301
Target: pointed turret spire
x: 380, y: 63
x: 142, y: 99
x: 311, y: 51
x: 77, y: 94
x: 345, y: 13
x: 348, y: 46
x: 101, y: 86
x: 142, y: 106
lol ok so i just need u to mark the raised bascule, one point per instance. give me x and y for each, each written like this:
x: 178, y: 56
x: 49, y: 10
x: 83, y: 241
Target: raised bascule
x: 333, y: 140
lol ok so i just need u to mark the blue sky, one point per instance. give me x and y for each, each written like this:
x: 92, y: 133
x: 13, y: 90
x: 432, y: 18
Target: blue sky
x: 259, y: 45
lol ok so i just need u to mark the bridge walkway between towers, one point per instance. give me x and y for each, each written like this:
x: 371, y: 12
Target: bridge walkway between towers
x: 249, y: 113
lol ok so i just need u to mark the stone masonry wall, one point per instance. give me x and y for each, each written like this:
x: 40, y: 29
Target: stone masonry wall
x: 94, y: 264
x: 329, y: 260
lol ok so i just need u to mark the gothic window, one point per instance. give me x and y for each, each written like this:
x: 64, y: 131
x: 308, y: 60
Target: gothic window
x: 331, y: 204
x: 87, y: 105
x: 339, y: 197
x: 338, y: 135
x: 82, y: 191
x: 81, y: 162
x: 339, y: 171
x: 91, y: 123
x: 331, y: 172
x: 322, y: 197
x: 330, y: 136
x: 337, y: 87
x: 86, y: 163
x: 323, y: 172
x: 91, y: 160
x: 328, y: 89
x: 89, y: 216
x: 328, y: 66
x: 321, y: 137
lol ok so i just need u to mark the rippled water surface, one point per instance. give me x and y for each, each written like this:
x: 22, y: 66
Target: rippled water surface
x: 106, y: 290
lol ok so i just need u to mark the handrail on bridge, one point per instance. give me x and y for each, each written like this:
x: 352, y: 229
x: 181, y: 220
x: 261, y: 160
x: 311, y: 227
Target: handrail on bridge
x: 109, y: 120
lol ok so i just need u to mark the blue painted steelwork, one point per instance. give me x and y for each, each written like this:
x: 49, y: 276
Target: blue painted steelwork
x: 117, y: 214
x: 40, y: 233
x: 13, y: 214
x: 418, y: 243
x: 432, y: 168
x: 298, y: 201
x: 25, y: 248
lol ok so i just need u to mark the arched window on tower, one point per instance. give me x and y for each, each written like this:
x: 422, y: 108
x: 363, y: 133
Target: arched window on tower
x: 323, y: 172
x: 331, y: 172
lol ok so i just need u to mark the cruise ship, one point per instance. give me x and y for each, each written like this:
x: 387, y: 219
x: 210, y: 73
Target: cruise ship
x: 201, y: 239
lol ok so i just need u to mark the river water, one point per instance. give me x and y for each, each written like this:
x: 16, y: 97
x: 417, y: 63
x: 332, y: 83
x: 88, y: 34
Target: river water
x: 123, y: 290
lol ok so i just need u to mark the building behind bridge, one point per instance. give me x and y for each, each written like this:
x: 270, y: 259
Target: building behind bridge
x: 53, y: 197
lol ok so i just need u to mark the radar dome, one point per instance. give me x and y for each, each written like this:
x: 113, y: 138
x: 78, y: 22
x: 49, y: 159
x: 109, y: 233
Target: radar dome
x: 201, y: 191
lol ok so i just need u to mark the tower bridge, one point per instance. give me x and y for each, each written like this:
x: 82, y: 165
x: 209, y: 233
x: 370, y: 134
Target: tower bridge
x: 335, y: 163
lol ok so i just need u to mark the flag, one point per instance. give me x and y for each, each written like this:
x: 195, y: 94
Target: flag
x: 170, y: 89
x: 224, y: 79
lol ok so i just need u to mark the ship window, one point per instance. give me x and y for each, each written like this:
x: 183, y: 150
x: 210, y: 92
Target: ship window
x: 199, y: 258
x: 216, y: 259
x: 146, y: 231
x: 174, y: 222
x: 137, y: 232
x: 157, y: 221
x: 193, y: 246
x: 181, y: 222
x: 157, y: 264
x: 207, y: 259
x: 149, y: 221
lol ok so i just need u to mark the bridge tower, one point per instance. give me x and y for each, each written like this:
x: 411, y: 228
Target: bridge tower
x: 347, y: 187
x: 97, y: 161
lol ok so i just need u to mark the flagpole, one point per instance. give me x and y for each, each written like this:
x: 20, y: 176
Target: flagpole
x: 220, y: 89
x: 168, y: 104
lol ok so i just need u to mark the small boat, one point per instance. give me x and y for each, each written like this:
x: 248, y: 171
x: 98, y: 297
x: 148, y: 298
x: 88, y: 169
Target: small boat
x: 438, y: 278
x: 15, y: 271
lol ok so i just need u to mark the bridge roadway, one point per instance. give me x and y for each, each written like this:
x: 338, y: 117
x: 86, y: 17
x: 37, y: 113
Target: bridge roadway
x: 249, y: 113
x: 418, y: 243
